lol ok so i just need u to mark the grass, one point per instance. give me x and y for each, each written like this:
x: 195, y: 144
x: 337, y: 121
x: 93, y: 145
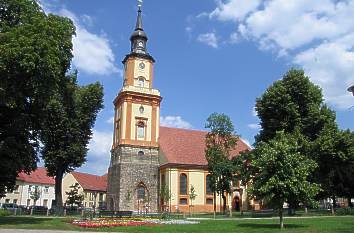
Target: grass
x: 311, y: 225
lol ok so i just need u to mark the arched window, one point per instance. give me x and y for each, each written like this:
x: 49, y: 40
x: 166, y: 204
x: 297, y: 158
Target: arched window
x: 183, y: 184
x: 141, y: 130
x: 140, y: 192
x: 207, y: 184
x: 163, y: 181
x: 141, y: 81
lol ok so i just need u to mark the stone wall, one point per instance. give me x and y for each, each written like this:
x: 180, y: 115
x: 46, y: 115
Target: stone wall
x: 129, y: 170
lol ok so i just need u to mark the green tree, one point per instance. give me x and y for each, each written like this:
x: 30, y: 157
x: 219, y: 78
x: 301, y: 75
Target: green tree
x: 165, y: 194
x: 220, y: 141
x: 35, y: 54
x: 292, y: 104
x: 345, y: 145
x: 74, y: 197
x: 35, y: 195
x: 67, y: 129
x: 280, y: 173
x: 295, y: 105
x: 192, y: 194
x: 336, y: 155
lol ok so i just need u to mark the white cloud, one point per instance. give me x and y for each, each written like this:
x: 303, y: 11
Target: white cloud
x: 92, y: 52
x: 100, y: 144
x: 209, y: 39
x: 316, y: 35
x: 87, y: 20
x: 234, y: 38
x: 99, y: 153
x: 331, y: 65
x: 174, y: 121
x: 254, y: 112
x: 254, y: 126
x: 110, y: 120
x: 234, y: 9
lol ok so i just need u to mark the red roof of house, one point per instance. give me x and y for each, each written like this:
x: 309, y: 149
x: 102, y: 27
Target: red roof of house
x: 38, y: 176
x: 187, y: 147
x: 91, y: 182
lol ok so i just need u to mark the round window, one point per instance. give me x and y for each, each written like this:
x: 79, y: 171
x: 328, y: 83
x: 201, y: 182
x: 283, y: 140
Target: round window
x: 141, y: 153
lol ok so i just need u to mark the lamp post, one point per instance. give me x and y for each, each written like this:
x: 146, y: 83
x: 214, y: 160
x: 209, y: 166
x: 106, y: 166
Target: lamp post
x: 351, y: 89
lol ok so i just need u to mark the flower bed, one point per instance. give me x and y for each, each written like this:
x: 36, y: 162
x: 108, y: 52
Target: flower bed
x: 99, y: 224
x: 126, y: 222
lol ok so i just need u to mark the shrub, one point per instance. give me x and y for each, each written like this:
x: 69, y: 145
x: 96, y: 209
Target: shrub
x: 4, y: 213
x: 345, y: 211
x: 164, y: 216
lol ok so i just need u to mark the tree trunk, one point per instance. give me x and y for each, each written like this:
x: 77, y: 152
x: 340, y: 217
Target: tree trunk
x: 58, y: 193
x: 281, y: 217
x: 334, y: 203
x: 214, y: 205
x: 223, y: 203
x: 350, y: 204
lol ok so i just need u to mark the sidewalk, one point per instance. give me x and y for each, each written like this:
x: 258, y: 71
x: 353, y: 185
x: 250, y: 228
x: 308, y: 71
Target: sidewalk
x: 294, y: 217
x: 41, y: 231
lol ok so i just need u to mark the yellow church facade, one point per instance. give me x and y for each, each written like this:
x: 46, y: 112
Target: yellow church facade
x: 183, y: 165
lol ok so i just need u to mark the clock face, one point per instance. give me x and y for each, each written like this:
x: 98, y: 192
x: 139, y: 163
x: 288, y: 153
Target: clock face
x: 141, y: 65
x: 140, y: 44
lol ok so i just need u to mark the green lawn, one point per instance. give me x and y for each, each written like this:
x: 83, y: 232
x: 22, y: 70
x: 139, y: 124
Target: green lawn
x: 312, y: 225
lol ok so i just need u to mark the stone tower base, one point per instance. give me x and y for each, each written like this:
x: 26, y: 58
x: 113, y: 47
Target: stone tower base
x: 133, y: 170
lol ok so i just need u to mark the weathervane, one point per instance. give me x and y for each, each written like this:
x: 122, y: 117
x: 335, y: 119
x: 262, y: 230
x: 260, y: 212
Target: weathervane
x: 140, y: 3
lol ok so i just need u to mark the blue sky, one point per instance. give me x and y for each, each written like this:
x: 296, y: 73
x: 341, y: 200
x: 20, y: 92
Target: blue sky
x: 213, y: 56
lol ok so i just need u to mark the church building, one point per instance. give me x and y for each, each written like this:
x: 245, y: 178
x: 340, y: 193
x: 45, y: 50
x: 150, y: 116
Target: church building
x: 146, y: 158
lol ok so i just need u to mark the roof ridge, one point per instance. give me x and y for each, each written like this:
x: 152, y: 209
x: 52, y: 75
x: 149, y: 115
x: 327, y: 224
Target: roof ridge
x: 86, y: 173
x: 197, y: 130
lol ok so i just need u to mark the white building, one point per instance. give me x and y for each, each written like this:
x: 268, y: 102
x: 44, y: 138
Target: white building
x: 25, y: 184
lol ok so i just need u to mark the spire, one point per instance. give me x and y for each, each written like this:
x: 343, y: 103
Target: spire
x: 139, y: 21
x: 138, y: 38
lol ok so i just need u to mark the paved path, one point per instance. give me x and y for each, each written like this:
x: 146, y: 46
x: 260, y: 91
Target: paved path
x: 295, y: 217
x: 41, y: 231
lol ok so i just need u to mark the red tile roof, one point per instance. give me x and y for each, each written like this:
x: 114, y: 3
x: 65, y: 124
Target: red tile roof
x: 38, y: 176
x: 91, y: 182
x: 187, y: 147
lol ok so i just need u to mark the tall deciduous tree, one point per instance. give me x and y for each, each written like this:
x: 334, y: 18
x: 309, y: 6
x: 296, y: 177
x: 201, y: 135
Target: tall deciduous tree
x: 345, y: 143
x: 280, y: 173
x: 335, y: 151
x: 295, y: 105
x: 292, y: 104
x: 220, y: 141
x: 35, y: 54
x: 67, y: 129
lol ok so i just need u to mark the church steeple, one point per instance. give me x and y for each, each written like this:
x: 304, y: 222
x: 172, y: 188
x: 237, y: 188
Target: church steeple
x: 135, y: 151
x: 139, y: 38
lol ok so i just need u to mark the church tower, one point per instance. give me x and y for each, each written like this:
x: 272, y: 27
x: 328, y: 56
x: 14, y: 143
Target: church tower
x: 133, y: 172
